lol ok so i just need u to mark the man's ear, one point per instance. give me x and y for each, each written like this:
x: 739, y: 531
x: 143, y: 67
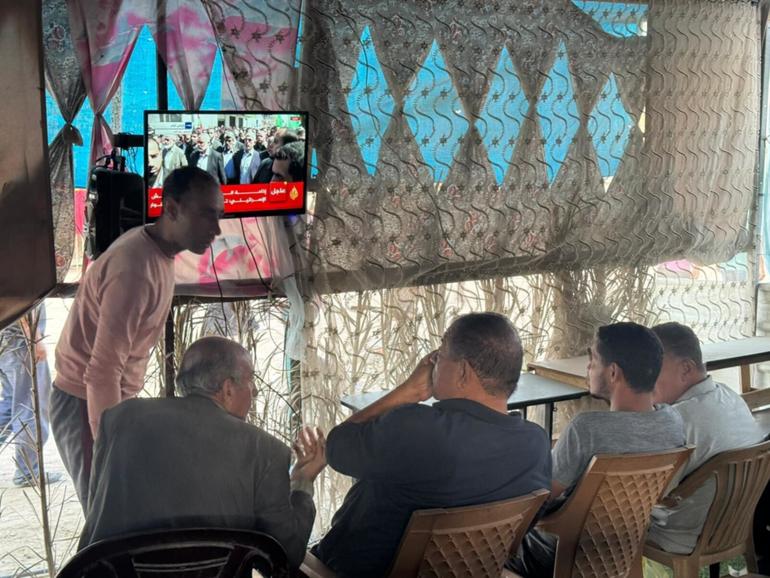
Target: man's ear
x: 171, y: 208
x: 228, y: 386
x: 467, y: 374
x: 688, y: 369
x: 615, y: 372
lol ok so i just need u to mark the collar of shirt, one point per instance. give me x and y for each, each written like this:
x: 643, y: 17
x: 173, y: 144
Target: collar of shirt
x: 700, y: 388
x: 479, y: 411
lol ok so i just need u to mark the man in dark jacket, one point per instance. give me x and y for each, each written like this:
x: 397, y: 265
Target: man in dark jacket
x: 206, y: 158
x: 463, y: 450
x: 265, y: 170
x: 193, y: 461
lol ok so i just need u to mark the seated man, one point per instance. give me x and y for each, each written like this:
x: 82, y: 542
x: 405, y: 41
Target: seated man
x: 463, y: 450
x: 716, y: 419
x: 624, y: 362
x: 193, y: 461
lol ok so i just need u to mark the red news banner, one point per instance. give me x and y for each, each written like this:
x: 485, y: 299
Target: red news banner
x: 255, y: 198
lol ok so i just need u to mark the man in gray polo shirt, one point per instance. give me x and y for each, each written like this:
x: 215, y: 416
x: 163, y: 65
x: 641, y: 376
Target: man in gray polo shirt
x: 716, y: 419
x: 624, y: 362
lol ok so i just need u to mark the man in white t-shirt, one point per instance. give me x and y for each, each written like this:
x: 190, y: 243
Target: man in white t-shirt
x: 716, y: 419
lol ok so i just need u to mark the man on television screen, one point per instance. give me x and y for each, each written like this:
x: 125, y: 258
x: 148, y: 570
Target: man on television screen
x: 246, y: 162
x: 155, y: 170
x: 265, y: 171
x: 173, y: 157
x: 289, y: 163
x: 229, y: 149
x: 206, y: 158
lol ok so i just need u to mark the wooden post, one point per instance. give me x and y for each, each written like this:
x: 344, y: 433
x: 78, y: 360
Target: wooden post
x: 169, y: 371
x: 745, y: 378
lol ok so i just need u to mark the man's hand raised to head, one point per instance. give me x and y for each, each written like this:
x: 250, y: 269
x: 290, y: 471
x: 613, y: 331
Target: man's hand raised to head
x: 419, y: 385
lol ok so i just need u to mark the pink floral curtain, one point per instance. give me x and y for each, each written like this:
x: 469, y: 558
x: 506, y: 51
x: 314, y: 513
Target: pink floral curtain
x: 185, y: 39
x: 104, y: 33
x: 251, y: 257
x: 258, y: 42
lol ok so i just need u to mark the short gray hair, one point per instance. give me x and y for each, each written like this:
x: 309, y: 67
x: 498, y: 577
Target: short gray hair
x: 206, y: 365
x: 491, y: 346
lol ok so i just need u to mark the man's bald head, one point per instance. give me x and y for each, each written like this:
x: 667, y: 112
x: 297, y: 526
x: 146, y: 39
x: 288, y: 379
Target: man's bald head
x: 210, y: 361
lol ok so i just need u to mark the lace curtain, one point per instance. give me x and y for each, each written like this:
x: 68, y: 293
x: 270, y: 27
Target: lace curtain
x: 566, y: 163
x: 63, y: 80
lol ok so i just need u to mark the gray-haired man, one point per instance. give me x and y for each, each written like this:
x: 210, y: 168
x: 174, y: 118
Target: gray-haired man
x: 194, y: 462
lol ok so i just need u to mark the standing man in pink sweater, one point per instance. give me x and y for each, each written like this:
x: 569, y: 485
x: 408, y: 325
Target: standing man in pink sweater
x: 119, y: 313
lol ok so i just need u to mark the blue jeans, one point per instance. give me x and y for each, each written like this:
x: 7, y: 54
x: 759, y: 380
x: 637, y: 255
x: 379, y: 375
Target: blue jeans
x: 17, y: 416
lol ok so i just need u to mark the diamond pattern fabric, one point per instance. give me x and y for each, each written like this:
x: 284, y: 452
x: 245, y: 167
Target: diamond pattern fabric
x: 610, y: 126
x: 557, y: 109
x: 369, y: 103
x: 435, y: 114
x: 503, y: 114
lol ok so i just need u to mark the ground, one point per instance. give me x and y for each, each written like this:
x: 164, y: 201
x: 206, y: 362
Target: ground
x: 21, y: 535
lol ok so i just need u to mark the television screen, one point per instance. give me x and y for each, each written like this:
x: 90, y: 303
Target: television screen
x: 258, y: 158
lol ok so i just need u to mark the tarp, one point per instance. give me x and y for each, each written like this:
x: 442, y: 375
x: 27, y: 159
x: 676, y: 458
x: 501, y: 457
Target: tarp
x: 26, y: 228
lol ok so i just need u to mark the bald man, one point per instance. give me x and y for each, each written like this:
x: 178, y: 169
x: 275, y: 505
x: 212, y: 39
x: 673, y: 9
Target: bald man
x: 193, y: 461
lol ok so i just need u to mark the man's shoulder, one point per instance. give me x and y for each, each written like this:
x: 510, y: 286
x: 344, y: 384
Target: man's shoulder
x: 412, y: 411
x: 624, y: 423
x: 405, y: 421
x: 705, y: 419
x: 123, y: 249
x: 132, y: 408
x: 196, y: 407
x: 591, y: 419
x: 134, y: 254
x: 717, y: 399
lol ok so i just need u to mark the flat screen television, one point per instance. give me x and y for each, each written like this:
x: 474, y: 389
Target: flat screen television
x: 235, y: 147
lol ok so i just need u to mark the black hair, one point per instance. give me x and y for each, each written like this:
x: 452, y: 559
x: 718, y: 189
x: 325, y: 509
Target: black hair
x: 680, y: 341
x: 635, y: 349
x: 287, y: 137
x: 293, y: 152
x: 491, y: 346
x: 184, y: 179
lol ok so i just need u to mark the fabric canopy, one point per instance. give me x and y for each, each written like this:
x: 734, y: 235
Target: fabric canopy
x: 460, y: 140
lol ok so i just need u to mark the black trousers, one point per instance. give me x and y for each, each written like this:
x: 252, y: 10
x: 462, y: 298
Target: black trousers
x: 536, y: 556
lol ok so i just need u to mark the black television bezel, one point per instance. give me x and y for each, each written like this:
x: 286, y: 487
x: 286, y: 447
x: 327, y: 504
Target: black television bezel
x: 244, y: 215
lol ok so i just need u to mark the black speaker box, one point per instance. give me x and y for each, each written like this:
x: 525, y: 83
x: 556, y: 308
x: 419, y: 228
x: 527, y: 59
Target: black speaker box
x: 115, y: 204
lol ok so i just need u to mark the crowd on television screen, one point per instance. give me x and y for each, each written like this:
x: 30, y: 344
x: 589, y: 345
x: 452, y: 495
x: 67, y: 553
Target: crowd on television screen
x: 231, y: 155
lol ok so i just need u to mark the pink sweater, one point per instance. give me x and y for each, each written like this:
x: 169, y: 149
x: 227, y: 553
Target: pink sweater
x: 118, y: 315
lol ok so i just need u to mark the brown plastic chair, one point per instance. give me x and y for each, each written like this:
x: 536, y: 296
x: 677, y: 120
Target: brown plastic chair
x: 741, y: 477
x: 190, y: 553
x: 602, y: 524
x: 467, y: 541
x: 757, y: 398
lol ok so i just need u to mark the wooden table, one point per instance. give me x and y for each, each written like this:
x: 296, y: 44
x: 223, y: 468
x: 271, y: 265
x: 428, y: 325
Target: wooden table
x: 738, y: 353
x: 532, y: 390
